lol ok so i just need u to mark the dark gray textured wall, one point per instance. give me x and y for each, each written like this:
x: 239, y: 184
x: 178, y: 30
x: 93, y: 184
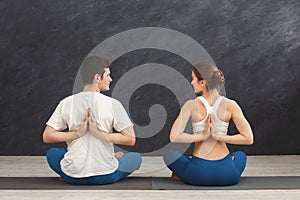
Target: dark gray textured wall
x: 255, y: 43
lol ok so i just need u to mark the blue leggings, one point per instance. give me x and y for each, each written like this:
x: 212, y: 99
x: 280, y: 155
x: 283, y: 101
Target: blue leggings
x: 128, y: 163
x: 197, y: 171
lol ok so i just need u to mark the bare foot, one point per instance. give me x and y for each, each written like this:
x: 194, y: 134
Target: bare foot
x: 119, y: 154
x: 61, y: 178
x: 175, y: 177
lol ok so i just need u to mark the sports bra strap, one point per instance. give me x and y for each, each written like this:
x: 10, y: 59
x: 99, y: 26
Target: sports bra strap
x: 217, y: 103
x: 210, y: 108
x: 206, y: 104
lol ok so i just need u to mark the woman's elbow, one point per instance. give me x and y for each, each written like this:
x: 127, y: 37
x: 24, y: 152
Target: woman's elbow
x: 250, y: 141
x: 172, y: 138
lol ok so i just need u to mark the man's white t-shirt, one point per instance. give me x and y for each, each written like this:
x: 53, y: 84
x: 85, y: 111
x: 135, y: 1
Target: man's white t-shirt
x: 87, y: 155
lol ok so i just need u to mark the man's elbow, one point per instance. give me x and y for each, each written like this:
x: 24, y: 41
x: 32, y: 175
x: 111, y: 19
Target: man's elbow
x: 46, y: 138
x: 131, y: 141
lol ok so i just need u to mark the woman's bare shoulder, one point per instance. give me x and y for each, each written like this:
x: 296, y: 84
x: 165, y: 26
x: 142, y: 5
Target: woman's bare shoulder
x: 190, y: 104
x: 231, y: 103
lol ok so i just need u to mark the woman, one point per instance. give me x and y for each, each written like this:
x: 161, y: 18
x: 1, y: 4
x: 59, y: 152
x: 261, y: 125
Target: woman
x: 211, y: 162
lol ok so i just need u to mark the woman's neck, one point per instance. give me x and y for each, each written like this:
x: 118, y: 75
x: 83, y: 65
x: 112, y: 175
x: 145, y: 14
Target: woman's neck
x: 211, y: 95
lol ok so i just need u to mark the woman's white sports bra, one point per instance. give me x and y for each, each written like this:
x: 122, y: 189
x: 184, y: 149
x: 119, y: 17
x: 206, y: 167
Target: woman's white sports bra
x: 221, y: 126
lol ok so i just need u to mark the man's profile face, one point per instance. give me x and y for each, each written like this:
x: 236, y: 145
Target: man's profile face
x: 104, y: 83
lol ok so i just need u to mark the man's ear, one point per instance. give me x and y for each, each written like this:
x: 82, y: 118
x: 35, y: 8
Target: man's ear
x: 97, y: 78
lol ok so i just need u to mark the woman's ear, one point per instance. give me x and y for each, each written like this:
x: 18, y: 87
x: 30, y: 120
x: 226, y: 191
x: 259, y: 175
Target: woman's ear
x: 202, y: 83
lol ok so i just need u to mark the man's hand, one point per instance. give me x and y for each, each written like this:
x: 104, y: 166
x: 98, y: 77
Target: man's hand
x: 83, y: 126
x: 92, y: 127
x: 92, y: 123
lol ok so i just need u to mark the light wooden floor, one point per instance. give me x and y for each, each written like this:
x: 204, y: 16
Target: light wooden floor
x: 36, y: 166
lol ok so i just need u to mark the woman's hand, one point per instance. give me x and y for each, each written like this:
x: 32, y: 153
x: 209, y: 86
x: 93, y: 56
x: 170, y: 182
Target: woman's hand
x: 213, y: 131
x: 207, y: 130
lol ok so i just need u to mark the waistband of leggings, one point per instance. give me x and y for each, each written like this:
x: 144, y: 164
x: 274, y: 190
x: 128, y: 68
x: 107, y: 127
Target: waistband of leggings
x: 218, y: 160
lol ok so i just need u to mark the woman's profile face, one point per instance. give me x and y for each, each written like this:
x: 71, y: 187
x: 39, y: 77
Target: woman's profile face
x: 197, y: 85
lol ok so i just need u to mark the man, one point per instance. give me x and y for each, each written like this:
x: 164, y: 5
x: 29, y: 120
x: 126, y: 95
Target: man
x: 91, y: 116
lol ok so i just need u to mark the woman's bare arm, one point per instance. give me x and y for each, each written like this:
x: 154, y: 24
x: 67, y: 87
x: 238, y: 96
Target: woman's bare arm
x: 177, y: 132
x: 245, y: 135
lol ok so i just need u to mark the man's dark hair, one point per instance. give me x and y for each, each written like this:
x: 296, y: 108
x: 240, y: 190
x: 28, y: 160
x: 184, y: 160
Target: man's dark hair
x: 90, y: 66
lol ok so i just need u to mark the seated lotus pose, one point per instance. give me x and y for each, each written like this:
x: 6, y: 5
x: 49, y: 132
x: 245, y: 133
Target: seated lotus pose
x: 90, y: 117
x: 211, y: 163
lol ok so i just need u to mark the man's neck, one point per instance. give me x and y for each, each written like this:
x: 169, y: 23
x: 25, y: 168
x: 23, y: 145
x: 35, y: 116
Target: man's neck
x: 90, y: 88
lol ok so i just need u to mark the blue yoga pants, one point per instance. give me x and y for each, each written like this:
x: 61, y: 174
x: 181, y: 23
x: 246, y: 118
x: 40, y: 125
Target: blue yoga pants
x: 197, y: 171
x: 128, y: 163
